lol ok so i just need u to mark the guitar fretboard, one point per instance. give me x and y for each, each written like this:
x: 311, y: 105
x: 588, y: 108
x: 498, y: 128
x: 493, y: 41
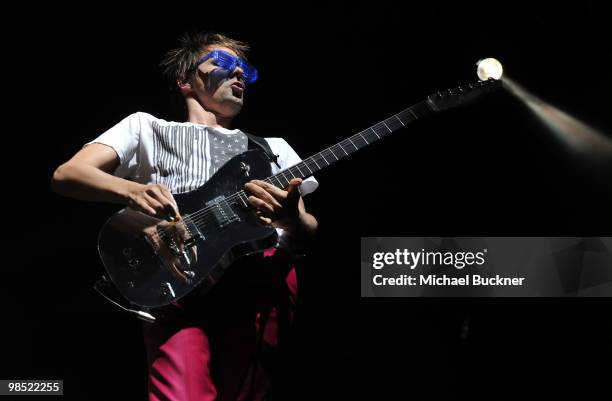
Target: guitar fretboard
x: 342, y: 149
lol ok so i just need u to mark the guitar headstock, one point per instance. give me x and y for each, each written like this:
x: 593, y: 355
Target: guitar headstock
x: 461, y: 95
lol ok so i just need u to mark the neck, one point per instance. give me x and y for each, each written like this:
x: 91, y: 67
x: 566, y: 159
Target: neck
x: 198, y: 115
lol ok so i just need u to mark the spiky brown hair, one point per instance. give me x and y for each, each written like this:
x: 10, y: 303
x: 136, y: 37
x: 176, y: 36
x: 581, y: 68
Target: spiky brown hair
x: 179, y: 64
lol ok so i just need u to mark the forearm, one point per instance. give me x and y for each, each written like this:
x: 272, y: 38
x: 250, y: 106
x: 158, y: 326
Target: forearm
x: 301, y: 234
x: 86, y: 182
x: 308, y: 225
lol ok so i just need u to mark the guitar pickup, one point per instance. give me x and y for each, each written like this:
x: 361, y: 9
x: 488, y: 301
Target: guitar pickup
x: 222, y: 211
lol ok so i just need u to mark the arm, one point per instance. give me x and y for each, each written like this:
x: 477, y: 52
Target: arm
x: 87, y: 176
x: 306, y: 226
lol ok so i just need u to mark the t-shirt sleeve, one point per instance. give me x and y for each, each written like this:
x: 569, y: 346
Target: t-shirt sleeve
x: 124, y: 138
x: 287, y: 157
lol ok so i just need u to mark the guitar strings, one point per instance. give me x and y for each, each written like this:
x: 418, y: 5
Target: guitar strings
x: 203, y: 215
x: 320, y: 157
x: 206, y: 215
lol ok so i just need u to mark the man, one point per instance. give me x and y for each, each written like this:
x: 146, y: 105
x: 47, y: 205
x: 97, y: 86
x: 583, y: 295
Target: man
x: 213, y: 349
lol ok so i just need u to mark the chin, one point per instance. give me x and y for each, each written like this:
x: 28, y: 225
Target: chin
x: 231, y: 107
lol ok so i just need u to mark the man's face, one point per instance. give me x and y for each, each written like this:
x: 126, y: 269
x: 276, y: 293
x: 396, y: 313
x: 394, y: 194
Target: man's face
x: 217, y: 91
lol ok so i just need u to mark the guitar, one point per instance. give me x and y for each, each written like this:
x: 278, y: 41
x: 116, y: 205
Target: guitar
x: 218, y: 225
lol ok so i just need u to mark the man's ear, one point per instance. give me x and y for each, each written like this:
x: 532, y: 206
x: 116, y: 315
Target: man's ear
x: 184, y: 86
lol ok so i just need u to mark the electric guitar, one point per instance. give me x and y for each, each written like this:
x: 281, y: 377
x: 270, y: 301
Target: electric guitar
x: 218, y: 225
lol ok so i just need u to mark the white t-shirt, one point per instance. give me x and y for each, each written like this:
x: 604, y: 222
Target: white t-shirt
x: 183, y: 156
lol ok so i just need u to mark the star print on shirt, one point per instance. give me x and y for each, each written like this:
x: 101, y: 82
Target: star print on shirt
x: 224, y: 146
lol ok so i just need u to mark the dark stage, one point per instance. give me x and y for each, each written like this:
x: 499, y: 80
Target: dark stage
x: 327, y: 72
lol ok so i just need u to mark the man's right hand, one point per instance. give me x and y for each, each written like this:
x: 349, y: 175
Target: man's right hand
x: 155, y: 200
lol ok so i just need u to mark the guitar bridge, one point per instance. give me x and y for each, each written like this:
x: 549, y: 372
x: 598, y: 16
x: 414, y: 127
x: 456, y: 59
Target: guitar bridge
x: 195, y: 234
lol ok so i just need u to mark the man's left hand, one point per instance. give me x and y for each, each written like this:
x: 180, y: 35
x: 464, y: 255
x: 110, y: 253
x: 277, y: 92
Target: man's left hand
x: 275, y: 206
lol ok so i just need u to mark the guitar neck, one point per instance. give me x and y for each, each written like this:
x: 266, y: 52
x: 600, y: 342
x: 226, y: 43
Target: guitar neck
x: 439, y: 101
x: 342, y: 149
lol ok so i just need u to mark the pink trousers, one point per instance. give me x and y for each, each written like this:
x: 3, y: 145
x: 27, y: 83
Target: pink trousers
x: 222, y: 346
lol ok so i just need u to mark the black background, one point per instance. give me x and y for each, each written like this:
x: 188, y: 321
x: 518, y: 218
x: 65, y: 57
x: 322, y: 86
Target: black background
x: 326, y: 72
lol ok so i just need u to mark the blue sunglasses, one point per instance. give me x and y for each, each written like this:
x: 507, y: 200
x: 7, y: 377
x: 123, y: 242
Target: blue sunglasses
x: 229, y: 62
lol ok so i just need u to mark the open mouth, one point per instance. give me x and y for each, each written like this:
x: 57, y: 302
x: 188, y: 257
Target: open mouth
x: 237, y: 89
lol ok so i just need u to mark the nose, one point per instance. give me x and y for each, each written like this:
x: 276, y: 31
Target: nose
x: 237, y: 72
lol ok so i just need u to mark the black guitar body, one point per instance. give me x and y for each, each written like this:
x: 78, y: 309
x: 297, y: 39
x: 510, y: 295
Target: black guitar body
x: 227, y: 230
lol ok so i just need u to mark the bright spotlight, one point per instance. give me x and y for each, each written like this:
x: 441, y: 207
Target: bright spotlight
x: 489, y: 68
x: 577, y: 134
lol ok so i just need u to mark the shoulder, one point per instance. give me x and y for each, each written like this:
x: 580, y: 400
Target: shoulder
x: 149, y: 123
x: 138, y: 120
x: 146, y: 118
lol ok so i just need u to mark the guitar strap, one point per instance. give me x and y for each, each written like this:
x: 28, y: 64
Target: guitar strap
x: 256, y: 142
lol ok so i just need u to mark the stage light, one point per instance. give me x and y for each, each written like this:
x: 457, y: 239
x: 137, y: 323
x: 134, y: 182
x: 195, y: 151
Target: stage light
x: 489, y: 68
x: 578, y: 135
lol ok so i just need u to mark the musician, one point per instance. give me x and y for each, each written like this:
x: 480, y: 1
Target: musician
x: 213, y: 347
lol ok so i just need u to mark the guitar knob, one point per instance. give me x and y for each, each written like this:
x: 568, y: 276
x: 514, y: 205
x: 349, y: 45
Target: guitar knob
x: 167, y: 290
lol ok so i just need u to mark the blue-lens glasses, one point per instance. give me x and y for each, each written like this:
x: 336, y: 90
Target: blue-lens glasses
x: 229, y: 62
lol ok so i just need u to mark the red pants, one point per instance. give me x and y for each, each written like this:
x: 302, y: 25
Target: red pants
x: 223, y: 348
